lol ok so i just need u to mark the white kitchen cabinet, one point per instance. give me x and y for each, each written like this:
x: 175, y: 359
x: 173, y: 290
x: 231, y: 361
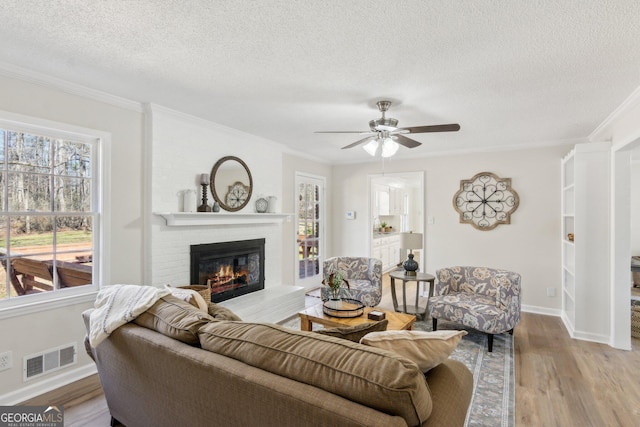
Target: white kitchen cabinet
x: 394, y: 251
x: 387, y: 249
x: 383, y: 203
x: 396, y: 201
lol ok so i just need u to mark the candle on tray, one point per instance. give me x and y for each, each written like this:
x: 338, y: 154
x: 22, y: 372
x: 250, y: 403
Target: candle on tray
x: 204, y: 179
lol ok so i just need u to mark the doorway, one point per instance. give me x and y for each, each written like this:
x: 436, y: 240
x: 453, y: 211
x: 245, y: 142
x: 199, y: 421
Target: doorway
x: 310, y: 230
x: 621, y: 244
x: 396, y: 206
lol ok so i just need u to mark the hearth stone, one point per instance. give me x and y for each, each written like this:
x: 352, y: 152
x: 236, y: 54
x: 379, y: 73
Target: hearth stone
x: 272, y: 304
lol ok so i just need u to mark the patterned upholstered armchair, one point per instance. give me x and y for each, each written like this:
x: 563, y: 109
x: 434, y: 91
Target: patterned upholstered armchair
x: 364, y: 276
x: 484, y: 299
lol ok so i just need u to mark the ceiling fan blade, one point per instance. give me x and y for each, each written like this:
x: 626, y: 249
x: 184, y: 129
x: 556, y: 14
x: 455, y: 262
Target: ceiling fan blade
x: 344, y: 131
x: 356, y: 143
x: 407, y: 142
x: 454, y: 127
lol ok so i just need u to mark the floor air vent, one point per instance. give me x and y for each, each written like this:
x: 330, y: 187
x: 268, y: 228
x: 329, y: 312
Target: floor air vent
x: 48, y: 361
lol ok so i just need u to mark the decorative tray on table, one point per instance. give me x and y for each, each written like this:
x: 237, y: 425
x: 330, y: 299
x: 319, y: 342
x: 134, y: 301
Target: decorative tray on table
x: 344, y: 307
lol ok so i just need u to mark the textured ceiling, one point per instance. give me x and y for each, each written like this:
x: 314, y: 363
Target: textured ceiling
x: 512, y: 73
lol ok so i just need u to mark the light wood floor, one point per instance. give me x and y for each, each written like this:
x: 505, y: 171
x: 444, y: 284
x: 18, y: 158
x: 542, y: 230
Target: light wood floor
x: 559, y: 381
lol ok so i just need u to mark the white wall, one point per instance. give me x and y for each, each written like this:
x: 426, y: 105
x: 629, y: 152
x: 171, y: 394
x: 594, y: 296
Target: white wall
x: 530, y: 245
x: 42, y: 330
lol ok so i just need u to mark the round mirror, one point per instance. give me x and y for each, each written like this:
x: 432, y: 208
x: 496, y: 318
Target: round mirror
x: 231, y: 183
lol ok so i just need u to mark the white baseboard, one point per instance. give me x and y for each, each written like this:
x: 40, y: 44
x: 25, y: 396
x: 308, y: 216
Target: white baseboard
x: 581, y: 335
x: 36, y: 388
x: 541, y: 310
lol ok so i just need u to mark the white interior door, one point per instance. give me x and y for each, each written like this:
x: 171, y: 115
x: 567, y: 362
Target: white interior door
x: 310, y: 230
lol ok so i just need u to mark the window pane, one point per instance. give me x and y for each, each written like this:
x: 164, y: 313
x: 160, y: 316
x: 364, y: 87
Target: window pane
x: 29, y: 192
x: 72, y: 194
x: 74, y: 238
x: 308, y: 230
x: 29, y: 153
x: 3, y: 235
x: 72, y: 158
x: 3, y: 260
x: 2, y: 135
x: 3, y: 284
x: 31, y: 254
x: 3, y: 180
x: 78, y: 272
x: 31, y: 235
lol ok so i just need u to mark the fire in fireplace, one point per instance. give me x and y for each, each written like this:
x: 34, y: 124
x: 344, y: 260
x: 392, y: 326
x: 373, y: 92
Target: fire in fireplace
x: 231, y: 269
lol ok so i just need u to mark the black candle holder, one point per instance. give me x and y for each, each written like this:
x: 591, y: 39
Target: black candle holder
x: 204, y: 207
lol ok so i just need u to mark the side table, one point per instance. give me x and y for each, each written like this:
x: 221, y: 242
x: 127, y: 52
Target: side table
x: 414, y: 309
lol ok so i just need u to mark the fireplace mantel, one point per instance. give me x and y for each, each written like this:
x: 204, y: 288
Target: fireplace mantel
x: 178, y: 219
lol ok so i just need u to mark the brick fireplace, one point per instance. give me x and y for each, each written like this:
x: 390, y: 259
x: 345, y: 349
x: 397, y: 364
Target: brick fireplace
x: 170, y: 233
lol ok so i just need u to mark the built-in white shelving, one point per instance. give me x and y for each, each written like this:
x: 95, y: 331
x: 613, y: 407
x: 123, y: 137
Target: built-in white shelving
x: 179, y: 219
x: 585, y: 216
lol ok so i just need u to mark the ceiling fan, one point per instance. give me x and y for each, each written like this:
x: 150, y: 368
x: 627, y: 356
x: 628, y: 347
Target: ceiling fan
x: 385, y: 133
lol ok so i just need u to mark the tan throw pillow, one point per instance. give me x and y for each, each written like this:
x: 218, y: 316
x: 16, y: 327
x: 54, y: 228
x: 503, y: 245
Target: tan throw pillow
x: 219, y: 312
x: 355, y: 333
x: 426, y: 349
x: 174, y: 318
x: 376, y: 378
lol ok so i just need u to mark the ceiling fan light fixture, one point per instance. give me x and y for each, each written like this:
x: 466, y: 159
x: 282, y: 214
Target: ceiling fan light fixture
x: 386, y: 137
x: 371, y: 147
x: 389, y: 147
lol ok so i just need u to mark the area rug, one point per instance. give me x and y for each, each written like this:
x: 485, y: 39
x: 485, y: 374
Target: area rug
x: 493, y: 400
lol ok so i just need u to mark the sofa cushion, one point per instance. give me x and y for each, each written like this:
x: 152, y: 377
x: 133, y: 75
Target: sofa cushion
x: 376, y: 378
x: 174, y: 318
x: 219, y: 312
x: 426, y: 349
x: 356, y: 332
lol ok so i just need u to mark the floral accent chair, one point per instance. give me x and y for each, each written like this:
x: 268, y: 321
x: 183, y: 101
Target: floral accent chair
x: 363, y: 274
x: 485, y: 299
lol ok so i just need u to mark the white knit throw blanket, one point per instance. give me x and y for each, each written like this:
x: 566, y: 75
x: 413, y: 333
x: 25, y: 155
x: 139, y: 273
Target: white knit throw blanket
x: 118, y: 304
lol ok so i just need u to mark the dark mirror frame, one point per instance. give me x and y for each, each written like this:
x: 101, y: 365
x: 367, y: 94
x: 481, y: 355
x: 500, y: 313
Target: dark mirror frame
x: 220, y: 198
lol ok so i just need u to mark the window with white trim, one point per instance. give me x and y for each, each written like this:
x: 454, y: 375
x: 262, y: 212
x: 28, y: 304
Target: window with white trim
x: 49, y: 212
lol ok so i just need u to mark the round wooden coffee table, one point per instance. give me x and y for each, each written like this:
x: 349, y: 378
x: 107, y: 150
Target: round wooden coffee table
x: 314, y: 314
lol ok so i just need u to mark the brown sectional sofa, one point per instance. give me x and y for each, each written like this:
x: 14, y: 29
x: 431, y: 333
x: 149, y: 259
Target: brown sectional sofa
x: 176, y: 366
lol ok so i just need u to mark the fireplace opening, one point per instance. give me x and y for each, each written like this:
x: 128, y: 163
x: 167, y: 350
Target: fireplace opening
x: 231, y: 269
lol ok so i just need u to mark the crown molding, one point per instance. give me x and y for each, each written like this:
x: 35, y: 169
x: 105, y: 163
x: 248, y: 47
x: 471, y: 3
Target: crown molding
x: 30, y: 76
x: 604, y: 130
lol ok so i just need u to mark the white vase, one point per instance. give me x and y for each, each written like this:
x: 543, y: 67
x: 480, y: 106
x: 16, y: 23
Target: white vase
x: 334, y: 304
x: 272, y: 204
x: 188, y: 200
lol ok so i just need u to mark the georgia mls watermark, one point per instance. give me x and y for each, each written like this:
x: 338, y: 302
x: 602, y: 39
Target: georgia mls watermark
x: 31, y: 416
